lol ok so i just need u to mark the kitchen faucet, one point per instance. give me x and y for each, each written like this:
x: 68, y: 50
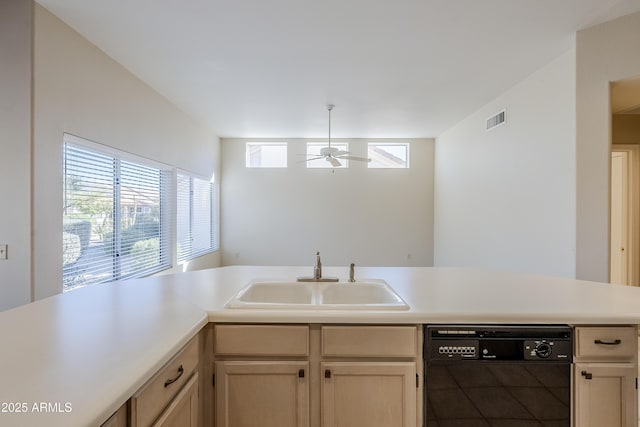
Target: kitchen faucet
x: 317, y: 268
x: 317, y: 273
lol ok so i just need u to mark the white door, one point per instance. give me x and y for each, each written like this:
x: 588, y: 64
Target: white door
x: 619, y: 218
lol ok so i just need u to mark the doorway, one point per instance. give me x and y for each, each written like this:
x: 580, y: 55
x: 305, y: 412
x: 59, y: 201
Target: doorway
x: 624, y: 232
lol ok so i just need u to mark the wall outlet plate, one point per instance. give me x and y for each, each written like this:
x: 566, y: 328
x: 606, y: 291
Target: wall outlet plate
x: 3, y: 251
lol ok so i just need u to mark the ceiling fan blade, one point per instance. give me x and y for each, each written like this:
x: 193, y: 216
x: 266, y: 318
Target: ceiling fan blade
x: 340, y: 153
x: 308, y: 160
x: 359, y: 159
x: 335, y: 162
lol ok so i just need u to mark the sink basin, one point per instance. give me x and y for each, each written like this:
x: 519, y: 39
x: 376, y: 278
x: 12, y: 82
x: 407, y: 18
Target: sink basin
x: 362, y: 295
x: 273, y: 295
x: 365, y: 293
x: 277, y: 292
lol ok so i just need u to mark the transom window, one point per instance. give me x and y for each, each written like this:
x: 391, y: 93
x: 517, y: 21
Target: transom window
x: 266, y: 155
x: 388, y: 155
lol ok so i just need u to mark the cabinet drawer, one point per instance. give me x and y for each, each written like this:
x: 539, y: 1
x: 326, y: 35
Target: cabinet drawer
x: 183, y: 410
x: 602, y: 343
x: 369, y: 341
x: 151, y: 400
x: 262, y: 340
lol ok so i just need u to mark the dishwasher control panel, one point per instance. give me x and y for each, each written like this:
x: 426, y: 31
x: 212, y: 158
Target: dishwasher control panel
x: 537, y: 343
x: 548, y: 349
x: 458, y: 349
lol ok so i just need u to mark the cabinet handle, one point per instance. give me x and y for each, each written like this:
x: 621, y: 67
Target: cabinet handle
x: 587, y: 375
x: 170, y: 381
x: 327, y: 373
x: 616, y: 342
x: 301, y: 373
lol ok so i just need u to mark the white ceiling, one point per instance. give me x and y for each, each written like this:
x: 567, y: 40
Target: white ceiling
x: 393, y: 68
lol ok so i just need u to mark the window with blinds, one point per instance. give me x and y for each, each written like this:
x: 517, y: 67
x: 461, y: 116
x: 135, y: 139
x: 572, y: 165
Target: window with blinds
x: 196, y: 225
x: 116, y: 219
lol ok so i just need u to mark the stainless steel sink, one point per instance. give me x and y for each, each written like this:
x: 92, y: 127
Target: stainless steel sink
x: 361, y: 295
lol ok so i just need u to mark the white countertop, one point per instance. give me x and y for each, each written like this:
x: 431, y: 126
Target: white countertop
x: 84, y: 353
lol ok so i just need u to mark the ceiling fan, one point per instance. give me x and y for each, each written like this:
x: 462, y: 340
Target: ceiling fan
x: 333, y: 154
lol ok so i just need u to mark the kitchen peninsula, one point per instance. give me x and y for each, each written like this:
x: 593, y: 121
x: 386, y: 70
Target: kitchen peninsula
x: 80, y: 356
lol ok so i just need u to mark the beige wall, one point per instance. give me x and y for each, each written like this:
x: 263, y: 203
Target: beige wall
x: 604, y: 53
x: 15, y: 151
x: 361, y: 215
x: 505, y: 199
x: 80, y: 90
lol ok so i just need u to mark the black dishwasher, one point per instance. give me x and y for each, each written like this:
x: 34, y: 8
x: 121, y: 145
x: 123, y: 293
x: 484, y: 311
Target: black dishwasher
x: 498, y: 376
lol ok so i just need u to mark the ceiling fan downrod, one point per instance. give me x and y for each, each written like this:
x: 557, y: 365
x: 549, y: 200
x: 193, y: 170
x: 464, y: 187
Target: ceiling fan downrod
x: 330, y: 107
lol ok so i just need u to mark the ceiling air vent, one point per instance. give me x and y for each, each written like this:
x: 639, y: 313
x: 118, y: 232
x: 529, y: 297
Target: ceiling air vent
x: 496, y: 120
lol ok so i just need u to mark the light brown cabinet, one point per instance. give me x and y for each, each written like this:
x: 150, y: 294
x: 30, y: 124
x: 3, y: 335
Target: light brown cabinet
x: 262, y: 394
x: 183, y: 409
x: 605, y: 394
x: 370, y: 375
x: 370, y: 341
x: 605, y: 372
x: 369, y: 394
x: 262, y: 341
x: 170, y: 397
x: 316, y: 375
x: 118, y: 419
x: 261, y: 375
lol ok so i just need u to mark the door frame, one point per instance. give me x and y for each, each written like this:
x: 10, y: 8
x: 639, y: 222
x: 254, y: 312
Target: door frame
x: 633, y: 211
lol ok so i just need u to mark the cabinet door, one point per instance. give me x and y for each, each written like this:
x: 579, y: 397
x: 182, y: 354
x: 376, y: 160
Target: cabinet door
x: 183, y: 409
x: 118, y: 419
x: 605, y: 394
x: 368, y: 394
x: 262, y: 394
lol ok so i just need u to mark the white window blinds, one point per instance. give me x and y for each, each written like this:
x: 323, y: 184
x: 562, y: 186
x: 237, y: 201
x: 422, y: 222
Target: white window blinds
x: 196, y: 218
x: 115, y: 216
